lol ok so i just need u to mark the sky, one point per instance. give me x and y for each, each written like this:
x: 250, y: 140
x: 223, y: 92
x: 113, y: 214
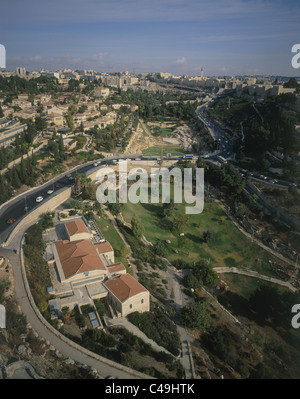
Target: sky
x: 224, y: 37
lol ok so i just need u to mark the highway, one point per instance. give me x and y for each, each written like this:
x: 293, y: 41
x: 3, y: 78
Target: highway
x: 15, y: 208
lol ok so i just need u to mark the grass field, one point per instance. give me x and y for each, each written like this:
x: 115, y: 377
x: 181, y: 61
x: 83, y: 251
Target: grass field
x: 113, y: 237
x: 227, y: 247
x: 165, y: 132
x: 246, y: 286
x: 174, y: 150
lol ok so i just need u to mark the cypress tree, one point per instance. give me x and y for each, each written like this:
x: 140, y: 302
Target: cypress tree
x: 15, y: 180
x: 23, y: 172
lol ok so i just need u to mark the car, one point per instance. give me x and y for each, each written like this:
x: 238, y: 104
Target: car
x: 57, y: 185
x: 39, y: 199
x: 70, y: 177
x: 11, y: 220
x: 49, y: 192
x: 96, y: 164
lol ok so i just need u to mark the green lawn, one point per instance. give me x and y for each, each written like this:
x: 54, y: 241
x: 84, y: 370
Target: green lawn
x: 174, y: 150
x: 113, y: 237
x: 246, y: 286
x: 165, y: 132
x: 228, y: 246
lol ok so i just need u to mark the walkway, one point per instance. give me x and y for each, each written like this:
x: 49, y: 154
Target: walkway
x: 252, y: 273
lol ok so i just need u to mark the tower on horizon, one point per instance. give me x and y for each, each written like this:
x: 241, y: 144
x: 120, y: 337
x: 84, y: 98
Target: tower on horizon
x: 201, y: 74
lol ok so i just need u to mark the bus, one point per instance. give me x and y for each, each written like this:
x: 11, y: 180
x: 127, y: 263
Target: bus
x: 188, y: 156
x: 221, y: 159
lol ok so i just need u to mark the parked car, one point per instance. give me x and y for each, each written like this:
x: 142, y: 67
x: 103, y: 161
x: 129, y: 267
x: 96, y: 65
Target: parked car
x: 49, y: 192
x: 39, y: 199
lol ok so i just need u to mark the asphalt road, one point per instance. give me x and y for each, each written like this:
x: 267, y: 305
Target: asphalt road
x: 65, y: 346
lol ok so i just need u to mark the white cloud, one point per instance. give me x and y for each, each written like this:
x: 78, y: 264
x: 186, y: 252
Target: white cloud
x: 99, y: 56
x: 181, y: 61
x: 36, y: 58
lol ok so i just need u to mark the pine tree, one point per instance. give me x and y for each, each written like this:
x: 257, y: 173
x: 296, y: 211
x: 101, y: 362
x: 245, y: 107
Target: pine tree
x: 23, y: 172
x: 15, y: 180
x: 4, y: 190
x: 61, y: 149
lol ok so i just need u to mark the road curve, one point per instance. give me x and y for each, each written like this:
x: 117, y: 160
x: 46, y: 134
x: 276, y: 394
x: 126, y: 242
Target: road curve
x: 65, y: 346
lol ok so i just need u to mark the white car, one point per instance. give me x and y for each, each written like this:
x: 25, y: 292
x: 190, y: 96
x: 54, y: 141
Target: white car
x: 49, y: 192
x: 39, y: 199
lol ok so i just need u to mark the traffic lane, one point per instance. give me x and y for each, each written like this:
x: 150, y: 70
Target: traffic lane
x: 16, y: 208
x: 65, y: 346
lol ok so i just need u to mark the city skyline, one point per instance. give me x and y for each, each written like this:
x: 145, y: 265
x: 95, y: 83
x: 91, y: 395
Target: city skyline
x: 236, y: 37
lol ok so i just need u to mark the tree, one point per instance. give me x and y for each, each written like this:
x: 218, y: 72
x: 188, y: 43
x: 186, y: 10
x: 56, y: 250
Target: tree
x: 114, y: 208
x: 205, y: 274
x: 196, y: 315
x: 70, y: 122
x: 137, y: 228
x: 219, y: 342
x: 40, y: 123
x: 179, y: 222
x: 23, y: 172
x: 53, y: 149
x: 207, y: 236
x: 160, y: 248
x: 168, y: 208
x: 61, y: 149
x: 15, y: 180
x: 191, y: 281
x: 185, y: 244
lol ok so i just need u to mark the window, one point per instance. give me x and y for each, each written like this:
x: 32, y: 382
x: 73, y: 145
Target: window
x: 130, y: 306
x: 142, y: 300
x: 86, y: 273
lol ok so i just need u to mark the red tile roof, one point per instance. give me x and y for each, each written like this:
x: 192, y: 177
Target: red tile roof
x: 78, y: 257
x: 76, y: 227
x: 124, y: 287
x: 103, y: 247
x: 116, y: 267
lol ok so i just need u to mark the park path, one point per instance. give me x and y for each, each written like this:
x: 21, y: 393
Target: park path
x: 252, y: 273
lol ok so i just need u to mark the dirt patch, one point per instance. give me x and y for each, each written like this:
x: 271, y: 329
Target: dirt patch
x: 144, y: 138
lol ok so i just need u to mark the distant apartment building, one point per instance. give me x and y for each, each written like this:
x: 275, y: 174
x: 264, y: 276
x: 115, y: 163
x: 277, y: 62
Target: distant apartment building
x: 21, y: 103
x: 55, y: 119
x: 11, y: 131
x: 111, y: 80
x: 41, y: 98
x: 27, y: 113
x: 21, y: 72
x: 101, y: 92
x: 50, y: 74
